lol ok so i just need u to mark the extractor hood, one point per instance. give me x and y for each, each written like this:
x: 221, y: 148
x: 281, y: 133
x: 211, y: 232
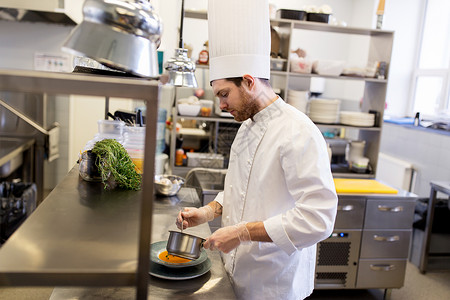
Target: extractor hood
x: 68, y: 12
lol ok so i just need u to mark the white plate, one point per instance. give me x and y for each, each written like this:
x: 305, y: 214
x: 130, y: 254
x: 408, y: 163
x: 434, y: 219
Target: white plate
x: 180, y: 273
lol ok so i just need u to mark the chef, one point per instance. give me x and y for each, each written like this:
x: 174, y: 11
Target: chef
x: 279, y: 198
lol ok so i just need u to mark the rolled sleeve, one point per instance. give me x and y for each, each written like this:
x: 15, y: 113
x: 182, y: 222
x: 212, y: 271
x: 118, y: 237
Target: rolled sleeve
x: 275, y: 230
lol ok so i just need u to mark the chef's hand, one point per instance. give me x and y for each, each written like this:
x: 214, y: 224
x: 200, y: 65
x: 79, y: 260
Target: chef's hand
x: 192, y: 216
x: 227, y: 238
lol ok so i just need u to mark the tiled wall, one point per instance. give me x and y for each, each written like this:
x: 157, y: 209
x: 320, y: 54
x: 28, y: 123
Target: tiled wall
x: 427, y: 150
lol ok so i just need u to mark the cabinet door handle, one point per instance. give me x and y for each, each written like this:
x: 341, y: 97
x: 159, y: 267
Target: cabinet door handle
x: 382, y: 267
x: 393, y: 238
x: 391, y: 209
x: 345, y: 207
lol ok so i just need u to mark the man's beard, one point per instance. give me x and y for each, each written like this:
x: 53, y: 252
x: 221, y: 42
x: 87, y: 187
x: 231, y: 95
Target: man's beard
x: 248, y: 107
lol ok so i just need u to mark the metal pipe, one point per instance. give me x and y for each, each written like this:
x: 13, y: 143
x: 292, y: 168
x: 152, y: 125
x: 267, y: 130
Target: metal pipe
x: 181, y: 25
x: 24, y: 117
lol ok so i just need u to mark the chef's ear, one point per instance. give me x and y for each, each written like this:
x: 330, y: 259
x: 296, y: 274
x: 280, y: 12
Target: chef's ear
x: 248, y: 81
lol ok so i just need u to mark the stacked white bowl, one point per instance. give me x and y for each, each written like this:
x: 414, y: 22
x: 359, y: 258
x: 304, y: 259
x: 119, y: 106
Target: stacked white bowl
x: 324, y: 110
x: 298, y: 99
x: 355, y: 118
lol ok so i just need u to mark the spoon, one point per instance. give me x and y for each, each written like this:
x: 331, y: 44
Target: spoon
x: 182, y: 221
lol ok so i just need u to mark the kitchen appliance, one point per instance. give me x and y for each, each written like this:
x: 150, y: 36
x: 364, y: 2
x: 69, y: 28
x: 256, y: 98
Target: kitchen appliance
x: 17, y: 202
x: 123, y: 35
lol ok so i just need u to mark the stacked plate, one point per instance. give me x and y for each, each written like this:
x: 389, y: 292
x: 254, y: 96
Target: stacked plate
x: 298, y: 99
x: 354, y: 118
x: 178, y: 269
x: 324, y: 110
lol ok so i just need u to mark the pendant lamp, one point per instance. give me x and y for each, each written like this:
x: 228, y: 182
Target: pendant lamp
x: 180, y: 68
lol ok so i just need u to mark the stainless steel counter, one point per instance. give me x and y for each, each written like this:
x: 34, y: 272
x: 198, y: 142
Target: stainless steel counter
x: 126, y: 274
x: 82, y: 231
x: 11, y: 150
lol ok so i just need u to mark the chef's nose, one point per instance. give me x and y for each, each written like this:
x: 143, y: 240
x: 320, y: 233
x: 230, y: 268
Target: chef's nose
x: 223, y: 105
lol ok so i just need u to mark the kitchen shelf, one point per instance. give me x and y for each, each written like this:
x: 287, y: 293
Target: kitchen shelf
x: 209, y: 119
x: 307, y: 25
x: 311, y: 75
x: 68, y: 240
x: 375, y: 89
x: 338, y: 126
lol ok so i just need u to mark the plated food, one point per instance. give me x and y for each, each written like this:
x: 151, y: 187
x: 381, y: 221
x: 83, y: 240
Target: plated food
x: 171, y: 267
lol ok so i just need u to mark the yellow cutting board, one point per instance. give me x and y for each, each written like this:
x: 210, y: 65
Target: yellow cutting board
x: 363, y: 186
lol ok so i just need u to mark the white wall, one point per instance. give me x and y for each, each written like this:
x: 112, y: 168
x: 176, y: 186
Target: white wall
x: 403, y: 17
x: 19, y: 42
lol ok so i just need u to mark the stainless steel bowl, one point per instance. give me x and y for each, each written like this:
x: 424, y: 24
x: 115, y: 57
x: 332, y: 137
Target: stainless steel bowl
x: 170, y: 189
x: 184, y: 245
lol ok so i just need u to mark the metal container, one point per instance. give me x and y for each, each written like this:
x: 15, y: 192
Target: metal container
x: 170, y: 189
x: 184, y: 245
x: 88, y: 167
x: 122, y: 35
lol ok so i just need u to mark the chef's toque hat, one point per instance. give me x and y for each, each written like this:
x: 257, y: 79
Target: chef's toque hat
x: 239, y: 38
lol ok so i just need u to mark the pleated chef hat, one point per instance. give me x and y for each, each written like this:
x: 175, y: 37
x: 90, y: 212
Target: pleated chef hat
x: 239, y: 38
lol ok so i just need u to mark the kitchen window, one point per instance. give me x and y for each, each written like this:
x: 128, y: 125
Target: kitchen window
x: 431, y: 81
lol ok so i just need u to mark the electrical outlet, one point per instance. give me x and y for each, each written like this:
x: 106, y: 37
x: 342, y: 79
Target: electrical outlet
x: 52, y: 62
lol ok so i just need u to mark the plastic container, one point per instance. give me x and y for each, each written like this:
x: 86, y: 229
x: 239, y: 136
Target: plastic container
x: 191, y: 110
x: 328, y: 67
x: 277, y: 64
x: 110, y: 127
x: 137, y: 157
x: 301, y: 65
x: 206, y: 107
x: 205, y: 160
x: 291, y: 14
x: 317, y: 17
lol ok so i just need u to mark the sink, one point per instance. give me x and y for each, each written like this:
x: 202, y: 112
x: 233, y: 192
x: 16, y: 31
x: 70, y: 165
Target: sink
x: 11, y: 157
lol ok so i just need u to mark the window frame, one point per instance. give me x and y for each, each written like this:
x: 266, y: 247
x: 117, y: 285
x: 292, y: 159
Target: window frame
x: 443, y: 103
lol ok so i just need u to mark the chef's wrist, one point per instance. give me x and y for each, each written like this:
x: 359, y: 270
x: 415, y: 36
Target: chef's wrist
x: 242, y: 232
x: 208, y: 212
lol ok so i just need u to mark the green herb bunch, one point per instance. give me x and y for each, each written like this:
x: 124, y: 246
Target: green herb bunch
x: 113, y: 160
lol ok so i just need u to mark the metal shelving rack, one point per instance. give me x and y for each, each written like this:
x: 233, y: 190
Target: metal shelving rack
x: 380, y: 49
x: 29, y: 257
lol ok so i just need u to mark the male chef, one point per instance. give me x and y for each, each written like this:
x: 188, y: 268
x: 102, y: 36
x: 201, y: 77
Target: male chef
x: 279, y: 198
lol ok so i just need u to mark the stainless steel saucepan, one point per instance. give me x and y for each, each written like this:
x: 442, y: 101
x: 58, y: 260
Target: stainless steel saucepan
x: 184, y: 245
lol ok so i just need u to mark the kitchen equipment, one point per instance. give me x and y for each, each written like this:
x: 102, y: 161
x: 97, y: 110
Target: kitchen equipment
x: 274, y: 44
x: 168, y: 185
x: 110, y: 127
x: 360, y: 165
x: 298, y: 99
x: 318, y: 17
x: 159, y: 247
x: 205, y: 160
x: 181, y: 273
x: 291, y: 14
x: 353, y: 185
x: 184, y: 245
x: 88, y: 167
x: 354, y: 151
x: 180, y: 68
x: 122, y: 35
x: 191, y: 110
x: 324, y: 110
x: 355, y: 118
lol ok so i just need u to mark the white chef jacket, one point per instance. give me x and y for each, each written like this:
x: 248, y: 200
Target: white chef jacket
x: 279, y: 173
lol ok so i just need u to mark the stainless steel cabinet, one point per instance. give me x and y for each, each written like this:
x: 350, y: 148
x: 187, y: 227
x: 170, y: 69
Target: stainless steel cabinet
x: 370, y: 243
